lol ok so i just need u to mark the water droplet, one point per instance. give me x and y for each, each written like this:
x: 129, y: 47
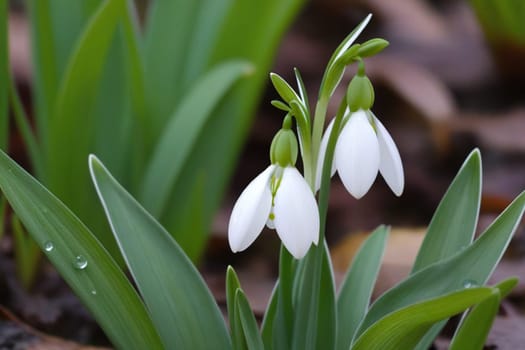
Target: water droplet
x: 48, y: 246
x: 470, y: 284
x: 94, y: 292
x: 80, y: 262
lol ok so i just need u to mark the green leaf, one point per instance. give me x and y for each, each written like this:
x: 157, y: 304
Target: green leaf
x: 403, y: 328
x: 358, y: 285
x: 232, y: 285
x: 72, y: 128
x: 180, y: 304
x: 55, y: 27
x: 283, y: 318
x: 69, y: 245
x: 27, y: 254
x: 182, y: 132
x: 315, y: 317
x: 472, y: 265
x: 251, y: 31
x: 269, y: 318
x: 475, y: 327
x: 454, y: 222
x: 248, y: 322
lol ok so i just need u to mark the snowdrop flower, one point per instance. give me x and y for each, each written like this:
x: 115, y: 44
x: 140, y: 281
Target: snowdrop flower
x: 364, y: 146
x: 280, y: 198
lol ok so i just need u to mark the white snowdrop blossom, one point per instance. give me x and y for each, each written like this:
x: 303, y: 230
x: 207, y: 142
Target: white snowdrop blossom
x: 363, y: 148
x: 280, y: 198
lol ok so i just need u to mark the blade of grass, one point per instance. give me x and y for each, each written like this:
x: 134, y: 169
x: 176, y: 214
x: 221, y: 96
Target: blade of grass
x: 180, y: 304
x: 80, y: 259
x: 358, y: 285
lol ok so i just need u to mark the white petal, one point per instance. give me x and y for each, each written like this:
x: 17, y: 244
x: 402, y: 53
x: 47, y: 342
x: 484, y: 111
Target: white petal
x: 250, y: 212
x: 357, y: 155
x: 322, y: 152
x: 296, y: 214
x: 390, y: 164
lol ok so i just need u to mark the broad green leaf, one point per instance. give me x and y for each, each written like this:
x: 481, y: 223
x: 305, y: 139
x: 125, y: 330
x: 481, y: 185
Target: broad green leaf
x: 248, y: 322
x: 403, y: 328
x: 180, y: 304
x: 4, y: 76
x: 454, y: 222
x: 315, y: 318
x: 72, y: 127
x: 357, y: 287
x: 232, y: 285
x: 182, y: 132
x: 475, y: 327
x: 471, y: 266
x: 251, y: 31
x: 80, y: 259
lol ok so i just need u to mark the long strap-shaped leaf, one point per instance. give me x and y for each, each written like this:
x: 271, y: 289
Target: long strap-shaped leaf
x: 80, y: 259
x: 454, y: 222
x: 403, y: 329
x: 181, y: 306
x: 471, y: 266
x: 357, y: 287
x: 4, y: 75
x: 182, y: 132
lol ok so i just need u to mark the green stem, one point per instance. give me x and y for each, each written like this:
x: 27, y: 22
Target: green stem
x: 317, y: 134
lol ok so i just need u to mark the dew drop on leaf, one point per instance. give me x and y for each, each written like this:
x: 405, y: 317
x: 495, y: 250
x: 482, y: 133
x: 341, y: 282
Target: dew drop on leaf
x: 48, y: 246
x: 470, y: 284
x: 80, y: 262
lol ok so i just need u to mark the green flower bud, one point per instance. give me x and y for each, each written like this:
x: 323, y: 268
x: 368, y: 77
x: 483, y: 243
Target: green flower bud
x: 372, y: 47
x: 283, y: 150
x: 360, y: 93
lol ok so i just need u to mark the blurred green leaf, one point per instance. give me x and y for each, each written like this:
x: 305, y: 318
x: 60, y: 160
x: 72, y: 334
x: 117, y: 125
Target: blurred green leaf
x: 472, y: 266
x: 357, y: 287
x: 180, y: 135
x: 27, y: 254
x: 180, y: 304
x: 72, y: 126
x: 250, y: 31
x: 80, y: 259
x: 403, y: 328
x: 267, y: 325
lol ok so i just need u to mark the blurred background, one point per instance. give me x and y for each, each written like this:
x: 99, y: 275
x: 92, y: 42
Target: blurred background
x: 452, y: 79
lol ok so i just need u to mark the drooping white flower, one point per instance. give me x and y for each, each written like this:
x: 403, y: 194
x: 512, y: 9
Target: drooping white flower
x: 280, y: 198
x: 361, y: 151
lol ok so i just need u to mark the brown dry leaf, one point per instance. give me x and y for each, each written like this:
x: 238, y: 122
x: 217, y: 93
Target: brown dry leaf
x: 502, y: 132
x: 400, y: 253
x: 15, y: 332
